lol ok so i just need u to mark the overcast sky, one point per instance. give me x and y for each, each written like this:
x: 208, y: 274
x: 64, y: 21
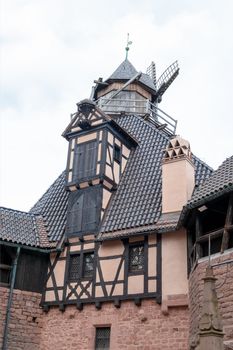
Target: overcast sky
x: 52, y: 50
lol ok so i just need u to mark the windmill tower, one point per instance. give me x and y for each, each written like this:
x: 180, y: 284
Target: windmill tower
x: 129, y: 91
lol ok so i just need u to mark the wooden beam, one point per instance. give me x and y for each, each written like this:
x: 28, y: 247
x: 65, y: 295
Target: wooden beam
x: 136, y: 76
x: 190, y: 248
x: 226, y: 233
x: 214, y: 234
x: 198, y: 231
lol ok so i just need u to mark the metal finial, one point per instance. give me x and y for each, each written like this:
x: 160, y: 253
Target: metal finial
x: 129, y: 42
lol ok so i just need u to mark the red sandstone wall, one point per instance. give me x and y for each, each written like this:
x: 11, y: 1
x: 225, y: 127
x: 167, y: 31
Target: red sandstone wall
x: 224, y: 288
x: 132, y: 327
x: 26, y: 320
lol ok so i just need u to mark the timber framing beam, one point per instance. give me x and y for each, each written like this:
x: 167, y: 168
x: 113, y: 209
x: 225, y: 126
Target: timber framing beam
x: 228, y: 227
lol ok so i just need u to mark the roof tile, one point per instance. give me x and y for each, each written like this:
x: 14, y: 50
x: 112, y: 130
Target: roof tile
x: 23, y: 228
x: 218, y: 183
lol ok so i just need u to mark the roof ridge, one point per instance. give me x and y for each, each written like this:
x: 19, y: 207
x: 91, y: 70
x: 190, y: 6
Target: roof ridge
x: 18, y: 211
x: 214, y: 172
x: 46, y: 192
x: 160, y: 132
x: 215, y: 185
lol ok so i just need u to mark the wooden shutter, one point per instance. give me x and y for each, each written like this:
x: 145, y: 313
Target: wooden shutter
x: 90, y: 159
x: 90, y: 210
x: 79, y: 157
x: 75, y: 211
x: 85, y: 160
x: 84, y: 210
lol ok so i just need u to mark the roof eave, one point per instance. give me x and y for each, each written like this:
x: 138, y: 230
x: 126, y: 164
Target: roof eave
x: 29, y: 247
x: 186, y: 210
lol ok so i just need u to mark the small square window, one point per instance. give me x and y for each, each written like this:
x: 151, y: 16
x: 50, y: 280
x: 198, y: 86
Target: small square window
x: 136, y: 257
x: 74, y: 267
x: 117, y: 153
x: 88, y: 265
x: 102, y: 340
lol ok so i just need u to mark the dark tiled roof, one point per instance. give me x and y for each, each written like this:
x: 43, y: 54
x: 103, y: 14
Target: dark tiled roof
x: 134, y: 231
x: 136, y: 205
x: 137, y: 201
x: 167, y: 222
x: 126, y: 71
x: 53, y: 207
x: 23, y: 228
x: 220, y: 182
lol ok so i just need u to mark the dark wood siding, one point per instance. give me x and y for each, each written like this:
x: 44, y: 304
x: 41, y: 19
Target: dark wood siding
x: 85, y: 160
x: 74, y: 219
x: 84, y: 211
x: 31, y: 271
x: 90, y: 210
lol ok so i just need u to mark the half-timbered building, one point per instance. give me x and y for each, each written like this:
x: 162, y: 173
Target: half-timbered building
x: 110, y: 235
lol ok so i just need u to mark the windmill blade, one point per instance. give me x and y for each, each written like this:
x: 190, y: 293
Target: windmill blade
x: 151, y: 71
x: 166, y: 79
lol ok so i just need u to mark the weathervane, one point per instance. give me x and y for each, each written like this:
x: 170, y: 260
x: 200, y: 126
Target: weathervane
x: 127, y: 46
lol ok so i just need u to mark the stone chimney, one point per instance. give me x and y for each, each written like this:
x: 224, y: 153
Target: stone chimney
x: 178, y: 177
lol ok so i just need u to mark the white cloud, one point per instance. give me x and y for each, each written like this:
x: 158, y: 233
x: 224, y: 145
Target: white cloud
x: 53, y: 50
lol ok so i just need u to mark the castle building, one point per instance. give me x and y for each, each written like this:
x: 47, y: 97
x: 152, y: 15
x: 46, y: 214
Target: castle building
x: 113, y: 254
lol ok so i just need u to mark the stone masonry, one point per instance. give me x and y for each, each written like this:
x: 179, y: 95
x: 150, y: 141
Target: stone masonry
x: 132, y: 327
x: 26, y: 320
x: 224, y: 289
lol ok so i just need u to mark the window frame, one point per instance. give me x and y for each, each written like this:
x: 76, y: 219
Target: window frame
x: 81, y: 275
x: 69, y: 267
x: 97, y: 328
x: 118, y: 148
x: 131, y: 246
x: 84, y: 275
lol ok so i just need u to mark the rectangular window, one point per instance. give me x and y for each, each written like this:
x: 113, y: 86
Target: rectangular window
x: 117, y: 153
x: 74, y: 268
x: 81, y: 266
x: 102, y: 340
x: 88, y: 264
x: 136, y: 257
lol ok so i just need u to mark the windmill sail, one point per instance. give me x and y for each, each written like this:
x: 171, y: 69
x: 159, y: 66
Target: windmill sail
x: 166, y: 79
x: 151, y: 71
